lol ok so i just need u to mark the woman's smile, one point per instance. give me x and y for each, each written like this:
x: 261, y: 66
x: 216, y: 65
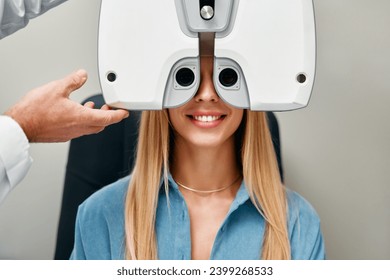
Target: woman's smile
x: 206, y: 119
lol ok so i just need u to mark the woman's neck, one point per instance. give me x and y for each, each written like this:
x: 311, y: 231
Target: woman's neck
x: 205, y: 168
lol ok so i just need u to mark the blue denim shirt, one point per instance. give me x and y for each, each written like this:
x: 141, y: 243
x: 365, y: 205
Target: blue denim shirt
x: 100, y: 227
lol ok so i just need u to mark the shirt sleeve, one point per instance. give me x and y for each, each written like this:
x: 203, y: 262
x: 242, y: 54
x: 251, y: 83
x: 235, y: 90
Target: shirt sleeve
x: 92, y: 236
x: 15, y: 160
x: 306, y: 238
x: 15, y: 14
x: 99, y: 232
x: 78, y: 252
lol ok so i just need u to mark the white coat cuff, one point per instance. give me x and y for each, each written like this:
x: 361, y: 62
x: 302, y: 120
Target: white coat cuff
x: 14, y: 156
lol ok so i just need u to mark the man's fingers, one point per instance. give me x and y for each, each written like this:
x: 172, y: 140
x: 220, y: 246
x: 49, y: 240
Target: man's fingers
x: 93, y: 130
x: 103, y: 117
x: 105, y: 107
x: 89, y: 105
x: 112, y: 116
x: 74, y: 81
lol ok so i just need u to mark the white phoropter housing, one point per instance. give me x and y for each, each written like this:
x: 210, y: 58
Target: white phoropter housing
x: 264, y: 52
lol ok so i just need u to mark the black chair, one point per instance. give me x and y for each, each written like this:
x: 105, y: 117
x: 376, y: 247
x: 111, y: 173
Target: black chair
x: 100, y: 159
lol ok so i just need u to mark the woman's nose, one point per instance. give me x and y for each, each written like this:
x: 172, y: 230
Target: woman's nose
x: 206, y: 90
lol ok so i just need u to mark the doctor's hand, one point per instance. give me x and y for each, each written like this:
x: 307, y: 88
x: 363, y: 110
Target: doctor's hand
x: 46, y: 114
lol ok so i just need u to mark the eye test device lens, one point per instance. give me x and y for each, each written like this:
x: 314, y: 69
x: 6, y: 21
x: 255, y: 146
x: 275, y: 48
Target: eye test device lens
x: 185, y: 77
x: 228, y: 77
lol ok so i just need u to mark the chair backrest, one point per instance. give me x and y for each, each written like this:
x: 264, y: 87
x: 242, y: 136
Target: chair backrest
x: 95, y: 161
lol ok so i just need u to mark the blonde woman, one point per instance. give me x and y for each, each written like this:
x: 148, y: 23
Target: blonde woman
x: 205, y: 185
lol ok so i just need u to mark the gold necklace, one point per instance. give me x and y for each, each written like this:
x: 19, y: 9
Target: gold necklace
x: 207, y: 192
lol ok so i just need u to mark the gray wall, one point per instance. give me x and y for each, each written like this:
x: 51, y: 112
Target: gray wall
x: 336, y: 152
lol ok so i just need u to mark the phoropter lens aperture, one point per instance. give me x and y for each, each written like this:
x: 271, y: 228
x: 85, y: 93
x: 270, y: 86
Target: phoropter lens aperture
x: 185, y: 77
x: 228, y: 77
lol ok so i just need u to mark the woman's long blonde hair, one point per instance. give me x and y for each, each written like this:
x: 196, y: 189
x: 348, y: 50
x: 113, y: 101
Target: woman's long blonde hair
x: 259, y: 169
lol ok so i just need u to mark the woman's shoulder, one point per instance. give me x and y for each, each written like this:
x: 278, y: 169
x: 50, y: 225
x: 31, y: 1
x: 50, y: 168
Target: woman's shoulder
x: 108, y: 198
x: 304, y: 228
x: 100, y: 223
x: 299, y: 207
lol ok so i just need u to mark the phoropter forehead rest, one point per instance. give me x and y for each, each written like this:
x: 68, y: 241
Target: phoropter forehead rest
x: 264, y: 52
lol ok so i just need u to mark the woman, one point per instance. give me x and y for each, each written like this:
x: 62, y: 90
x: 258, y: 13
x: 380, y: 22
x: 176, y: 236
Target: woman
x: 205, y: 185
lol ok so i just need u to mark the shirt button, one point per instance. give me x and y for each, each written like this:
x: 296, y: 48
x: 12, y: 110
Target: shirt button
x: 183, y: 215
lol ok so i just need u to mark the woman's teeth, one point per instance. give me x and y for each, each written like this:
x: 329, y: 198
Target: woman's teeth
x: 206, y: 118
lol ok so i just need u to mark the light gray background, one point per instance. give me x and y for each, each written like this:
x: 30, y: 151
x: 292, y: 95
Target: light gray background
x: 336, y: 152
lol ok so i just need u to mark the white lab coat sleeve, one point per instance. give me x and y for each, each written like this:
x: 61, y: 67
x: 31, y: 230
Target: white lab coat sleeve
x: 15, y: 14
x: 15, y: 160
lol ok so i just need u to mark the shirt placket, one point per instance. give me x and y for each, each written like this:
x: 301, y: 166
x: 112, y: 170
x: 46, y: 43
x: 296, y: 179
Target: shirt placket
x: 183, y: 229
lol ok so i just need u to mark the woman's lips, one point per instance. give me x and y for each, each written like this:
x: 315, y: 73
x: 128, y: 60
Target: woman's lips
x: 206, y: 120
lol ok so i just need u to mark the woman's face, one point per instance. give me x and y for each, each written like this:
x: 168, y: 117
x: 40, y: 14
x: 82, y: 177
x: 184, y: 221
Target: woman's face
x: 205, y: 121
